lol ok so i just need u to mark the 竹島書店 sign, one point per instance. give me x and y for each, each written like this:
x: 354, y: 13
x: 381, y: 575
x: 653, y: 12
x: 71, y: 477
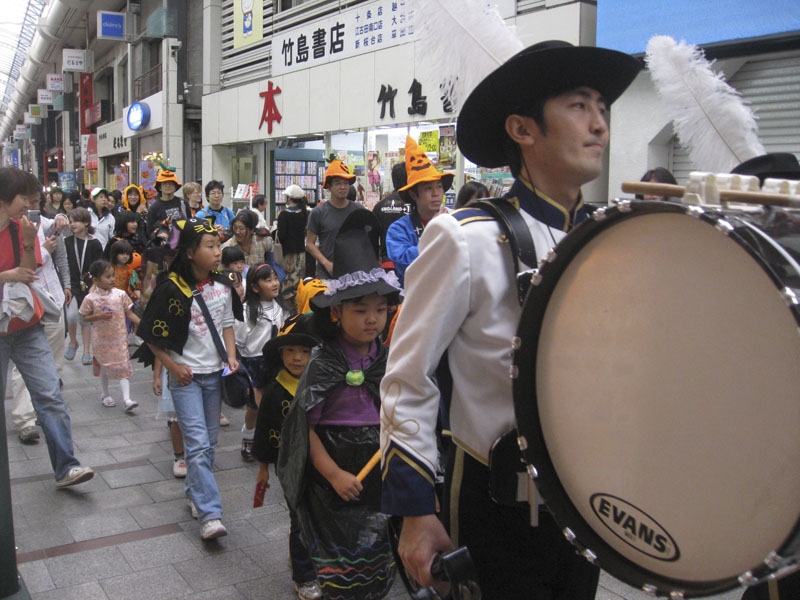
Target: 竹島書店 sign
x: 73, y: 59
x: 360, y: 30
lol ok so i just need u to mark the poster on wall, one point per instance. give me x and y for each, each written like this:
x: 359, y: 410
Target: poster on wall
x: 67, y: 181
x: 248, y: 22
x: 447, y: 145
x: 147, y: 178
x: 120, y: 178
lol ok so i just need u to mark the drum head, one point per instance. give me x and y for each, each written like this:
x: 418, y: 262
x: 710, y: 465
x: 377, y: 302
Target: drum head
x: 661, y: 404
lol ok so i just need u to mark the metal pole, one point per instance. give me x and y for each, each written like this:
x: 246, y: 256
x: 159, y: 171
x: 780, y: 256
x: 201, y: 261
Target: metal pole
x: 9, y: 580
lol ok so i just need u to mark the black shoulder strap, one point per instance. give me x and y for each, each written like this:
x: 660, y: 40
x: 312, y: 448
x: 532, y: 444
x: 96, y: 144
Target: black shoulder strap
x: 223, y: 354
x: 12, y: 229
x: 516, y: 231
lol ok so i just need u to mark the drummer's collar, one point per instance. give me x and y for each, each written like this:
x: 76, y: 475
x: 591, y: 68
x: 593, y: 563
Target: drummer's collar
x: 543, y: 208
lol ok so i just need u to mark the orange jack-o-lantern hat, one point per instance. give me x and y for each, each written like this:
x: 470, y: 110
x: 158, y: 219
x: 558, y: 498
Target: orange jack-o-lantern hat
x: 419, y: 168
x: 338, y: 169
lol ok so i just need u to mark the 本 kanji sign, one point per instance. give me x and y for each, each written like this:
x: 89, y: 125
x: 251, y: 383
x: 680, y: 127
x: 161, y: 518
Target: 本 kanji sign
x: 270, y: 112
x: 368, y: 27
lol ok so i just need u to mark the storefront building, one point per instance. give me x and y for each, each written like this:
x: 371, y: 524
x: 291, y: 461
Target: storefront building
x: 351, y: 84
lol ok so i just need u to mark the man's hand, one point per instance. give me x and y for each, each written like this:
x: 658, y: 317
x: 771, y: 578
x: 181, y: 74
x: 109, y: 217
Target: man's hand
x: 61, y: 222
x: 346, y: 485
x: 420, y: 539
x: 50, y: 244
x: 21, y: 274
x: 157, y: 389
x: 67, y: 296
x: 29, y: 231
x: 328, y: 266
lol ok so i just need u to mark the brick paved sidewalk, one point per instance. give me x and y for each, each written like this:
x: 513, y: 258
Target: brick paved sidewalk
x: 127, y: 534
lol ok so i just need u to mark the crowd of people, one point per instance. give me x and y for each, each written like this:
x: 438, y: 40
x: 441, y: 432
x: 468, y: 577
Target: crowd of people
x: 338, y: 377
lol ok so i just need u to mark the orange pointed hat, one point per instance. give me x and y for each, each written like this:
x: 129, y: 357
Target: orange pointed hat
x: 419, y: 168
x: 338, y: 169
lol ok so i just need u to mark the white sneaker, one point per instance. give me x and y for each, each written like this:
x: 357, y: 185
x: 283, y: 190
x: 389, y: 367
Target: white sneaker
x: 223, y: 420
x: 213, y: 528
x: 192, y: 508
x: 309, y: 590
x: 130, y: 404
x: 179, y: 471
x: 108, y: 401
x: 75, y: 476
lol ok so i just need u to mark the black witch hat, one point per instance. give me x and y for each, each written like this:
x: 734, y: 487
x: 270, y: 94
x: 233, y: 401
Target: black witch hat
x: 356, y: 269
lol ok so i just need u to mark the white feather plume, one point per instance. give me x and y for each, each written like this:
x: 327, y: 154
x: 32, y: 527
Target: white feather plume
x: 459, y: 42
x: 708, y: 115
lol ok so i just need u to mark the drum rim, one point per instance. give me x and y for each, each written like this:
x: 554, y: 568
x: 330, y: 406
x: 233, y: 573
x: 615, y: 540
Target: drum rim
x: 534, y: 449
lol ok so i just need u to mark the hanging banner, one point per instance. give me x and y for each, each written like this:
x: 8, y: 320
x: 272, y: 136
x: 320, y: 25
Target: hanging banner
x: 110, y: 25
x: 44, y: 96
x: 447, y: 145
x: 147, y: 177
x: 67, y: 181
x: 248, y: 22
x: 34, y: 110
x: 120, y: 178
x: 55, y: 82
x: 73, y: 59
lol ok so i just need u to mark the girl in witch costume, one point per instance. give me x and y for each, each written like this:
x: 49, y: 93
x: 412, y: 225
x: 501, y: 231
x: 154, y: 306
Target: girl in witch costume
x: 177, y: 333
x: 331, y: 430
x: 286, y: 354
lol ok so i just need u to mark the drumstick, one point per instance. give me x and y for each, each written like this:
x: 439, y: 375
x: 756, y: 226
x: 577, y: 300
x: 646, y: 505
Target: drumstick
x: 677, y: 191
x: 376, y: 458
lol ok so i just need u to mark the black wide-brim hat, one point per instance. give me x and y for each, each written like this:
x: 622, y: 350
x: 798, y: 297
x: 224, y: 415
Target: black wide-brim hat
x: 541, y: 71
x: 779, y: 165
x: 295, y: 331
x: 357, y: 271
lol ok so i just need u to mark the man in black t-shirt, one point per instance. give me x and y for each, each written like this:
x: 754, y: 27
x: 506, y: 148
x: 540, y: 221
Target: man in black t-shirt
x: 166, y: 205
x: 392, y: 207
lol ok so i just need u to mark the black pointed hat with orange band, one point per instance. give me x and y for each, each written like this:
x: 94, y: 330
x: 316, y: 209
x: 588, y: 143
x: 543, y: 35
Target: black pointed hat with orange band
x: 541, y: 71
x: 338, y: 169
x: 419, y: 168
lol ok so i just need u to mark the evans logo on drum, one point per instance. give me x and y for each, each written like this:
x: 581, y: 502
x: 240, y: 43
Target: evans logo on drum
x: 635, y: 527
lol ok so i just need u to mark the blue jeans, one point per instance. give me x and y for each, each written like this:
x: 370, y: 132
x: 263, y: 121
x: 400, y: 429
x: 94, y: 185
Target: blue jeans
x: 33, y: 358
x: 197, y: 406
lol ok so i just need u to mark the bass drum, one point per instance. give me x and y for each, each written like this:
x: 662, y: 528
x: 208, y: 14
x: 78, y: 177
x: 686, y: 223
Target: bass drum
x: 657, y: 396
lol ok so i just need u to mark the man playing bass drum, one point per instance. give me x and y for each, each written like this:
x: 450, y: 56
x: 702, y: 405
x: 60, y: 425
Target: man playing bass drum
x: 543, y: 113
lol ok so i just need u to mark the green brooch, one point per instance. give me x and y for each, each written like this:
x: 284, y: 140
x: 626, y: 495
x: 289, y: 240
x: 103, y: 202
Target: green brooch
x: 354, y: 378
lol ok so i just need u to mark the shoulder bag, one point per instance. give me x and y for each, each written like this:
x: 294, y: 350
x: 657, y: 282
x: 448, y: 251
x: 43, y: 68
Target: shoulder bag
x: 237, y: 388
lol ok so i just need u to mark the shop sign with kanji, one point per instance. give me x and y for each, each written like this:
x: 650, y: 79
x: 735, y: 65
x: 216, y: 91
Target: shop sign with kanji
x: 366, y: 28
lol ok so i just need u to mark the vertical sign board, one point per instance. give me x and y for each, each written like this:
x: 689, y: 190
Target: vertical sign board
x: 248, y: 22
x: 55, y: 82
x: 110, y: 25
x: 73, y: 59
x: 86, y: 99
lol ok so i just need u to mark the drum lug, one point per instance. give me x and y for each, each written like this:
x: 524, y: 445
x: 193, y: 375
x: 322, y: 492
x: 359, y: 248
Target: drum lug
x: 516, y: 343
x: 625, y: 206
x: 789, y: 297
x: 724, y: 227
x: 747, y: 578
x: 532, y: 472
x: 590, y: 556
x: 551, y: 256
x: 676, y: 595
x: 695, y: 211
x: 599, y: 214
x: 650, y: 589
x: 513, y: 371
x: 570, y: 535
x: 773, y: 560
x: 536, y: 278
x: 522, y: 442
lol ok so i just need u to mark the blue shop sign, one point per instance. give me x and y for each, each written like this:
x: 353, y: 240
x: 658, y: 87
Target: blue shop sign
x: 138, y: 116
x: 111, y: 25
